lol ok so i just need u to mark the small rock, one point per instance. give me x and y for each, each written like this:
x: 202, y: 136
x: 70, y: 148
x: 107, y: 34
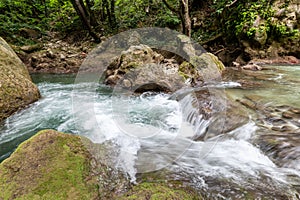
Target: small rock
x: 31, y: 48
x: 84, y: 49
x: 127, y: 83
x: 291, y: 60
x: 62, y: 57
x: 109, y: 72
x: 287, y: 115
x: 72, y: 55
x: 247, y: 103
x: 282, y: 128
x: 295, y: 110
x: 50, y: 54
x: 253, y: 67
x: 111, y: 80
x: 276, y: 128
x: 236, y: 64
x: 287, y: 128
x: 34, y: 59
x: 64, y: 49
x: 71, y: 62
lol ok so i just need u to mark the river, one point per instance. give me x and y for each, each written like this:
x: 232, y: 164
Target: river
x: 153, y: 131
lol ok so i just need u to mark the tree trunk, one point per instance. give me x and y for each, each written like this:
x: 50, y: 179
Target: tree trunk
x: 112, y: 12
x: 183, y: 13
x: 84, y: 16
x: 92, y: 17
x: 185, y: 17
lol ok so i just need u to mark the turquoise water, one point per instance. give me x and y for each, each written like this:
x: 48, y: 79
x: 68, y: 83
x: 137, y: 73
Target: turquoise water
x: 279, y: 85
x: 153, y: 131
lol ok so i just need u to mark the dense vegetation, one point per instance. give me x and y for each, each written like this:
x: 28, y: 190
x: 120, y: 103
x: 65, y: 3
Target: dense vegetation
x: 233, y: 20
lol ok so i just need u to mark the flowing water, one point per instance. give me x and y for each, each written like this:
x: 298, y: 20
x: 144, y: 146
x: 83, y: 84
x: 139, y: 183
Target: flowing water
x: 155, y: 131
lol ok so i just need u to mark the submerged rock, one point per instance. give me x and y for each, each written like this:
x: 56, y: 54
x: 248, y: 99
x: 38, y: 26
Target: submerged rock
x: 16, y: 87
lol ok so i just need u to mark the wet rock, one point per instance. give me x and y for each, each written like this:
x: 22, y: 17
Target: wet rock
x: 63, y: 166
x: 248, y: 103
x: 282, y: 147
x: 145, y: 70
x: 275, y: 120
x: 16, y: 88
x: 149, y: 70
x: 295, y: 110
x: 291, y: 60
x: 287, y: 115
x: 282, y: 128
x: 253, y: 67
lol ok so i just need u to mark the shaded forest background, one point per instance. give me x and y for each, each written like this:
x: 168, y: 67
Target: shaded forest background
x: 228, y: 26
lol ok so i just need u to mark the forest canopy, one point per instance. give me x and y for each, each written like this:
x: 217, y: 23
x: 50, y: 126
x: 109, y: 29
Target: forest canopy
x: 233, y: 20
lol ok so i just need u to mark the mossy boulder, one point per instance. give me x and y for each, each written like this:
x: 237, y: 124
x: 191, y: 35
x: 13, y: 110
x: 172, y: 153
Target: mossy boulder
x: 55, y: 165
x: 50, y: 165
x: 16, y: 87
x: 158, y: 191
x: 141, y: 69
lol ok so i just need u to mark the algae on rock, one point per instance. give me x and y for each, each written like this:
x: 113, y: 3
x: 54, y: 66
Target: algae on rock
x: 50, y: 165
x: 54, y: 165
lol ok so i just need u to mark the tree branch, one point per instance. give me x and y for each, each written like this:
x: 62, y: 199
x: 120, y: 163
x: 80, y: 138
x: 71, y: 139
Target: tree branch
x: 229, y: 5
x: 170, y: 7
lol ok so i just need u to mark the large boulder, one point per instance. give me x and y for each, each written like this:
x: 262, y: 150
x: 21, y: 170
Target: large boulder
x: 54, y: 165
x: 16, y: 87
x: 141, y: 69
x: 50, y: 165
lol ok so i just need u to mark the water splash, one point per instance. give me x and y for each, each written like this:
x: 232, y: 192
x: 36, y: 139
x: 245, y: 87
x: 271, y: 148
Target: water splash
x: 151, y: 131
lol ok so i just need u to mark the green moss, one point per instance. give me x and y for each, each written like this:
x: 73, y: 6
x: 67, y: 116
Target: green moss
x: 50, y: 165
x: 158, y: 191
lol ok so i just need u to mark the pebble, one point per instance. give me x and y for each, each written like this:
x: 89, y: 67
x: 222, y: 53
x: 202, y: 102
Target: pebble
x: 295, y: 110
x: 50, y: 54
x: 127, y: 83
x: 62, y: 57
x: 247, y: 103
x: 287, y: 115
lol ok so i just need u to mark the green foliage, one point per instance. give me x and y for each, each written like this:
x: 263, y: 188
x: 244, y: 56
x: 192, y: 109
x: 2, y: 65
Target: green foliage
x: 129, y: 12
x: 141, y: 13
x: 167, y: 19
x: 54, y: 15
x: 244, y: 19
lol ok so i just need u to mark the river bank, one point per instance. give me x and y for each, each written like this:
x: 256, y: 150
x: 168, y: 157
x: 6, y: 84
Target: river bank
x: 54, y: 54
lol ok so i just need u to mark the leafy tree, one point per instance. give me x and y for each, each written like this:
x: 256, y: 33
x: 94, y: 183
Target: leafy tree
x: 182, y: 9
x: 86, y: 16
